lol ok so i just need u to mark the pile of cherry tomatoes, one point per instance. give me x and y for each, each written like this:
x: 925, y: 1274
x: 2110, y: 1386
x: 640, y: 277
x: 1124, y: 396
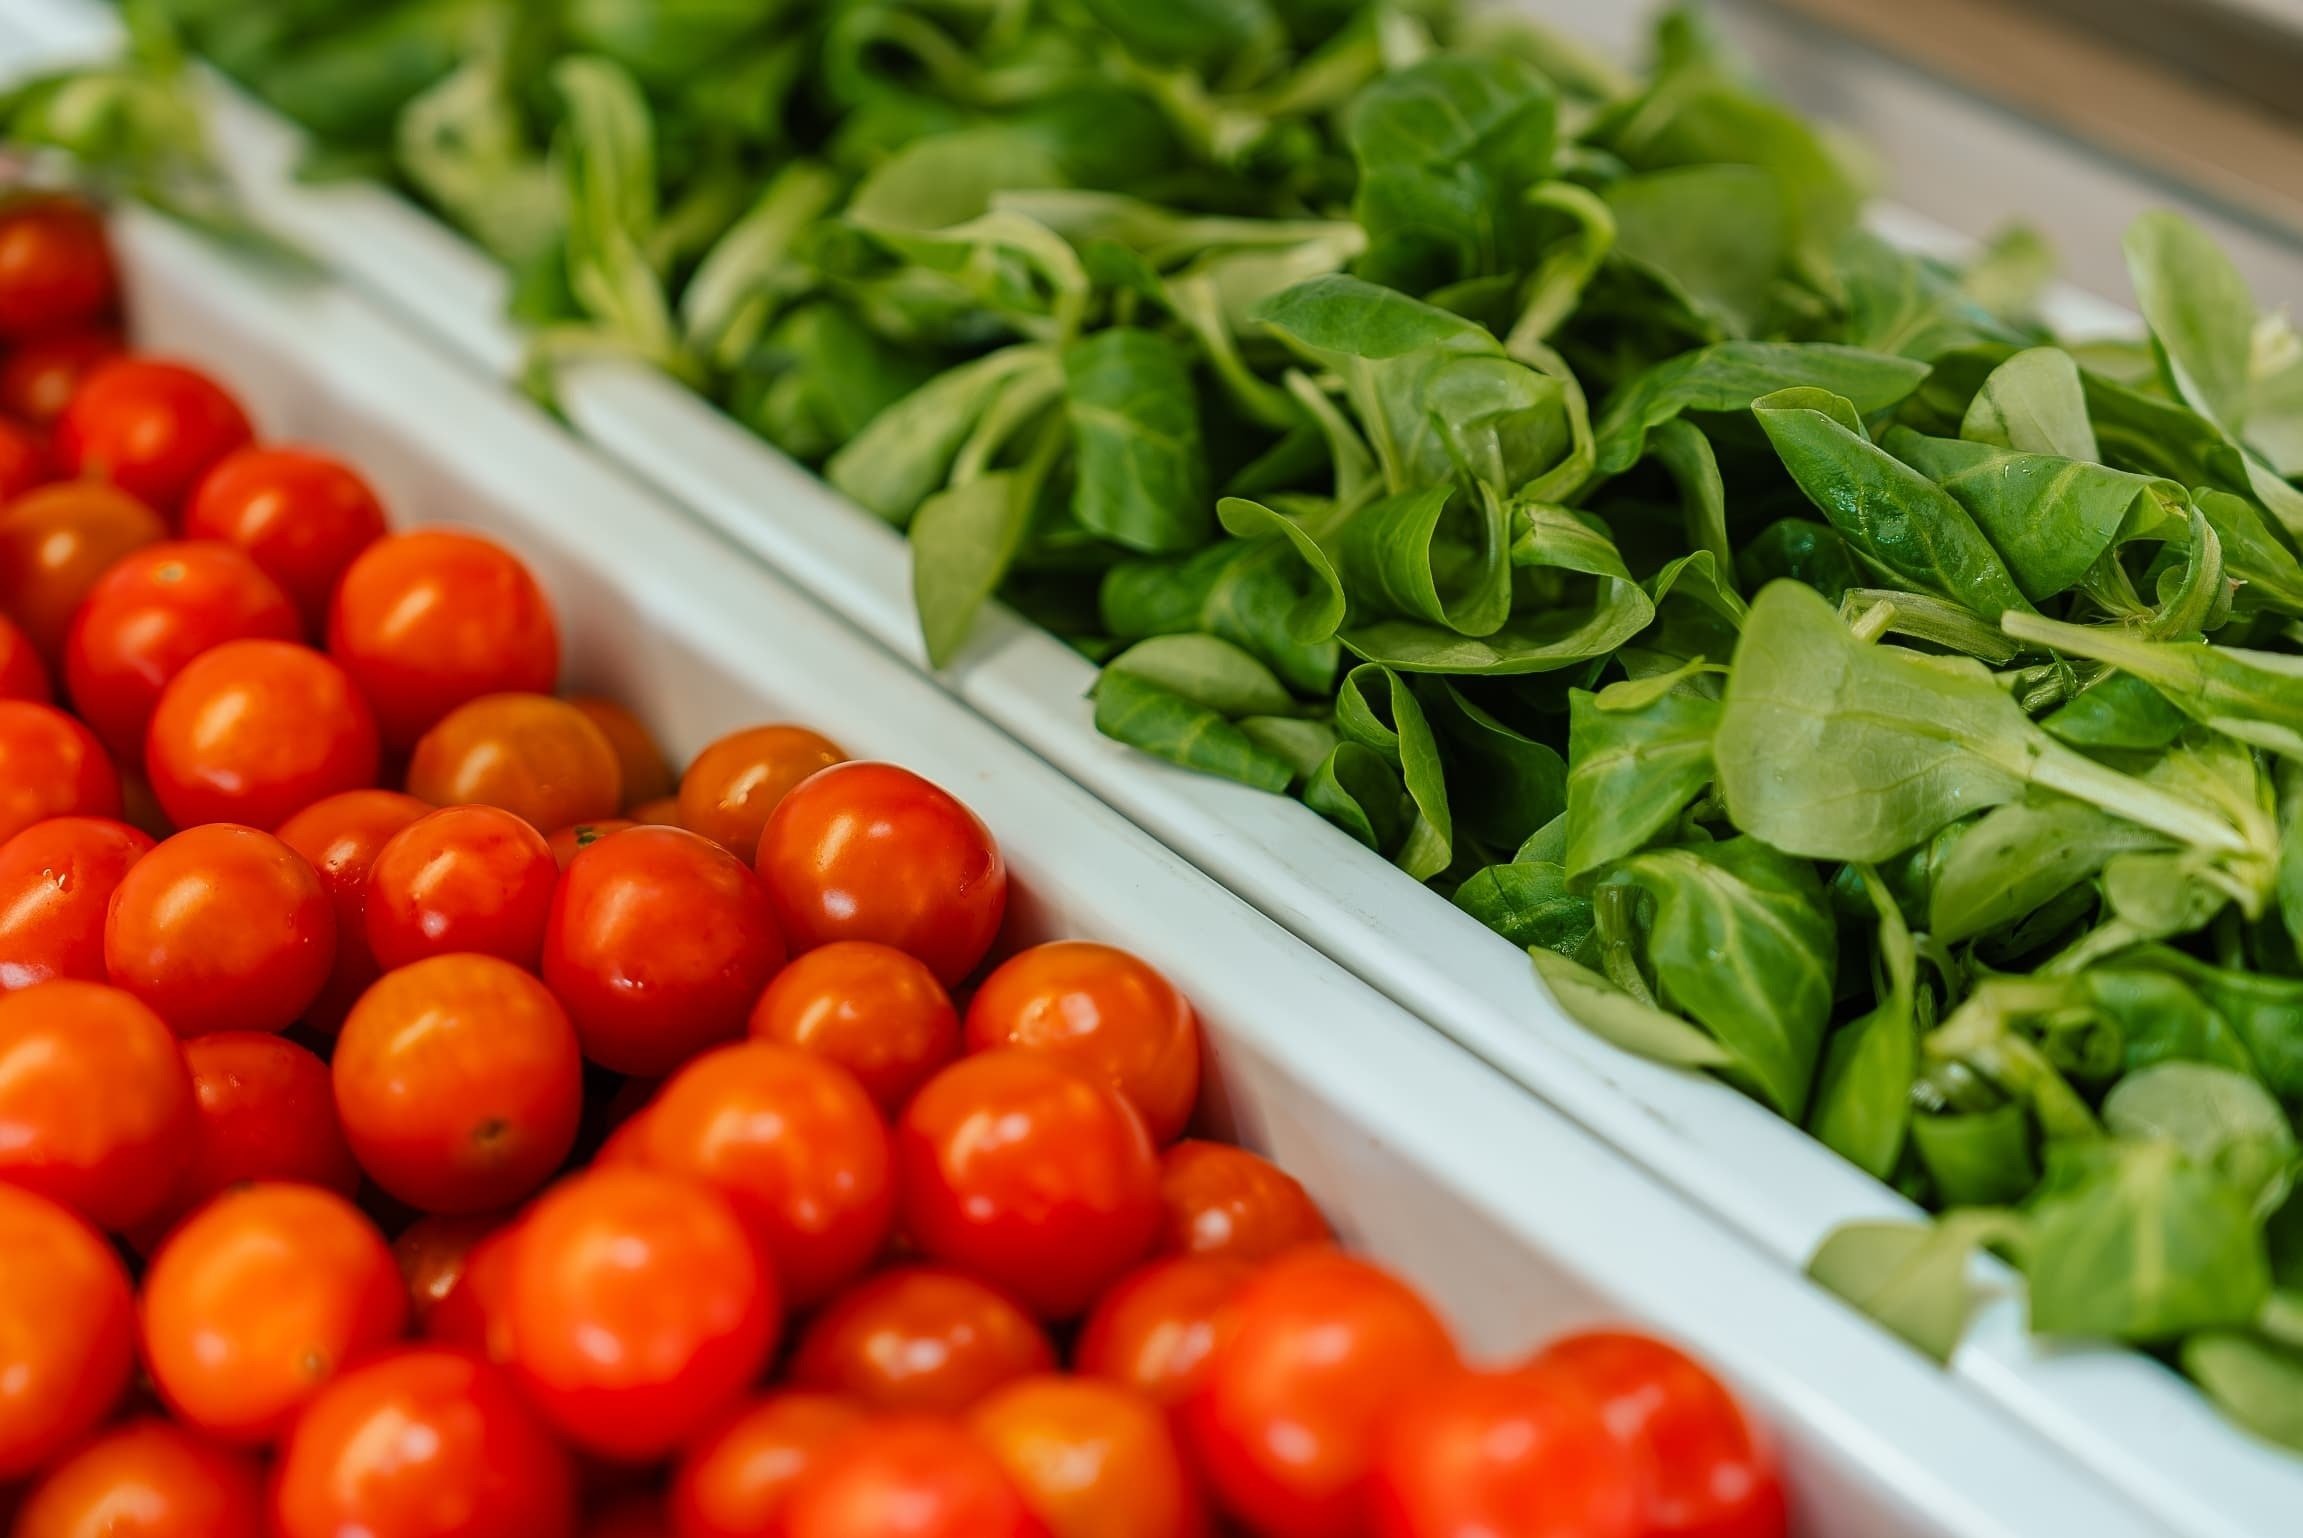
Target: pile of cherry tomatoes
x: 737, y: 1188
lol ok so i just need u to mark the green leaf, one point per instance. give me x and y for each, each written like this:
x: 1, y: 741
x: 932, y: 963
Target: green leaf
x: 2256, y: 1382
x: 2255, y: 696
x: 2120, y: 712
x: 2033, y: 403
x: 1245, y: 591
x: 1359, y: 791
x: 1528, y: 903
x: 1207, y: 671
x: 1633, y: 766
x: 2223, y: 1120
x: 1191, y: 31
x: 1150, y: 719
x: 1503, y: 784
x: 2267, y: 570
x: 963, y: 542
x: 1376, y: 709
x: 2015, y: 858
x: 907, y: 452
x: 1804, y: 551
x: 607, y: 154
x: 1140, y: 467
x: 947, y: 180
x: 2265, y: 1012
x: 1899, y: 302
x: 1718, y: 235
x: 1613, y: 1015
x: 1730, y: 376
x: 1977, y: 1159
x: 1862, y: 1109
x: 2201, y: 316
x: 1912, y: 1278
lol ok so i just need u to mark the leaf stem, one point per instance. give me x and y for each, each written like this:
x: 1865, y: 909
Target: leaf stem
x: 2060, y: 768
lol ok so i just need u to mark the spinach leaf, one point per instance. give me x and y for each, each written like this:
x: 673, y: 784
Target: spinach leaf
x: 1634, y: 1024
x: 2120, y: 712
x: 1636, y: 757
x: 1862, y: 1109
x: 908, y: 450
x: 1244, y: 591
x: 963, y: 541
x: 1977, y: 1158
x: 2201, y: 317
x: 2033, y: 403
x: 2015, y: 858
x: 1141, y: 471
x: 1913, y: 1277
x: 2255, y: 696
x: 1719, y: 236
x: 1528, y: 903
x: 1207, y: 671
x: 2256, y: 1381
x: 1730, y: 376
x: 1378, y: 710
x: 2223, y: 1120
x: 1503, y: 784
x: 1147, y: 717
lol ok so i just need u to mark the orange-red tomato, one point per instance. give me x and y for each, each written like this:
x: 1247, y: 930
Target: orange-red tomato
x: 39, y: 378
x: 909, y: 1477
x: 147, y: 1479
x: 55, y: 543
x: 475, y: 1312
x: 95, y: 1101
x: 153, y: 612
x: 221, y: 928
x: 23, y: 676
x: 428, y: 620
x: 458, y: 1083
x: 56, y: 270
x: 635, y: 1516
x: 659, y: 943
x: 1103, y: 1011
x: 1310, y: 1357
x: 67, y: 1327
x: 1524, y: 1452
x: 259, y: 1298
x: 24, y: 461
x: 576, y: 837
x: 56, y: 884
x: 794, y: 1143
x: 1222, y: 1200
x: 435, y: 1255
x: 340, y: 837
x: 919, y: 1339
x: 874, y: 852
x: 664, y: 812
x: 875, y: 1011
x: 266, y: 1112
x: 425, y: 1443
x: 735, y: 784
x: 1091, y: 1459
x: 735, y: 1480
x: 254, y: 732
x: 537, y: 757
x: 1029, y: 1174
x: 470, y: 879
x: 640, y: 1310
x: 50, y: 766
x: 302, y: 516
x: 646, y: 773
x: 151, y: 427
x: 1155, y: 1328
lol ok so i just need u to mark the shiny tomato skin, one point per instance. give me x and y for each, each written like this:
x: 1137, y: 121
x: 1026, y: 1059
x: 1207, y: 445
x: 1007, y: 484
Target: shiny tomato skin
x: 1029, y: 1174
x: 645, y: 773
x: 255, y: 731
x: 1310, y: 1357
x: 659, y: 943
x: 475, y: 1312
x: 56, y: 271
x: 537, y: 757
x: 1706, y: 1470
x: 1222, y: 1200
x: 576, y: 837
x: 221, y: 928
x: 471, y: 879
x: 1155, y: 1328
x: 458, y: 1083
x: 425, y: 1443
x: 300, y: 515
x: 874, y: 852
x: 153, y: 612
x: 55, y: 543
x: 919, y: 1339
x: 147, y: 1479
x: 23, y: 676
x: 909, y: 1477
x: 872, y: 1009
x: 736, y: 783
x: 266, y: 1112
x: 340, y: 836
x: 150, y: 426
x: 56, y: 884
x: 661, y: 813
x: 434, y: 1254
x: 1101, y: 1010
x: 640, y: 1310
x: 51, y: 766
x: 1091, y: 1459
x: 67, y: 1329
x: 259, y: 1298
x: 430, y: 619
x: 24, y: 461
x: 1523, y: 1452
x: 39, y: 378
x: 96, y: 1108
x: 735, y: 1480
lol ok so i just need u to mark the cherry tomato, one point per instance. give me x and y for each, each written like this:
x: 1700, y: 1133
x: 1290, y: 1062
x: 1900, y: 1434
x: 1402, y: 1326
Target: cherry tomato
x: 56, y: 270
x: 734, y: 785
x: 475, y: 1313
x: 1155, y: 1328
x: 67, y: 1326
x: 646, y: 774
x: 56, y: 883
x: 151, y: 427
x: 909, y: 1477
x: 50, y: 766
x: 302, y: 516
x: 530, y: 754
x: 1310, y: 1356
x: 463, y: 879
x: 640, y: 1310
x: 266, y: 1112
x: 153, y: 612
x: 39, y: 378
x: 1222, y: 1200
x: 795, y: 1145
x: 24, y: 462
x: 1029, y: 1174
x: 425, y: 1443
x: 875, y: 1011
x: 735, y: 1480
x: 919, y: 1339
x: 259, y: 1298
x: 340, y: 838
x: 659, y: 943
x: 428, y: 620
x: 23, y: 676
x: 435, y: 1254
x: 576, y: 837
x: 55, y: 543
x: 458, y: 1083
x: 221, y: 928
x: 1705, y: 1470
x: 635, y: 1516
x: 663, y: 812
x: 254, y: 732
x: 95, y: 1101
x: 1520, y: 1452
x: 1103, y: 1011
x: 1091, y: 1459
x: 147, y: 1479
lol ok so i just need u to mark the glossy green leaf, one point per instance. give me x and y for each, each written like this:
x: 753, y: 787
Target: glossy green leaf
x: 1913, y: 1278
x: 1140, y: 469
x: 2033, y: 403
x: 1862, y: 1107
x: 1732, y: 375
x: 1634, y: 765
x: 1145, y: 716
x: 1613, y: 1015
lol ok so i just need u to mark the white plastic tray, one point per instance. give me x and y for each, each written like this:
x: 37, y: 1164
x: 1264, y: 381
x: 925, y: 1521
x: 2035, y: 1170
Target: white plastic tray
x: 2138, y: 1425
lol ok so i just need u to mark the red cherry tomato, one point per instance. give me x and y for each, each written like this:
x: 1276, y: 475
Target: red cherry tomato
x: 539, y: 758
x: 1029, y: 1174
x: 300, y: 515
x: 1155, y: 1328
x: 152, y: 613
x: 56, y: 883
x: 23, y: 676
x: 734, y: 785
x: 151, y: 427
x: 1222, y: 1200
x: 875, y: 1011
x: 254, y: 732
x: 24, y: 462
x: 425, y: 1443
x: 577, y: 837
x: 221, y: 928
x: 266, y: 1112
x: 340, y: 837
x: 56, y: 270
x: 96, y: 1105
x: 50, y: 766
x: 475, y: 1312
x: 470, y: 879
x: 909, y: 1477
x: 259, y: 1298
x: 39, y: 378
x: 660, y: 942
x: 458, y: 1083
x: 147, y: 1478
x: 55, y: 543
x: 661, y: 813
x: 640, y: 1310
x: 435, y: 1254
x: 645, y: 773
x: 635, y: 1516
x: 428, y: 620
x: 1091, y: 1459
x: 919, y: 1339
x: 67, y: 1327
x: 1104, y: 1012
x: 1705, y: 1470
x: 1520, y: 1452
x: 1310, y: 1357
x: 735, y: 1480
